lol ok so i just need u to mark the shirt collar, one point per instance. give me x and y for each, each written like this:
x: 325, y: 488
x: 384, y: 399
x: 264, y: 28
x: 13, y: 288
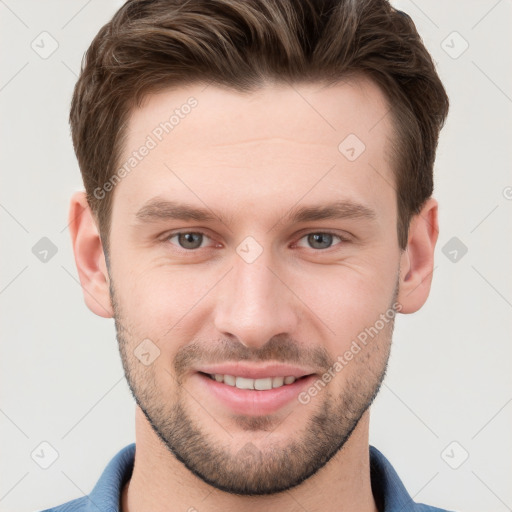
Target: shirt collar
x: 388, y: 490
x: 106, y: 495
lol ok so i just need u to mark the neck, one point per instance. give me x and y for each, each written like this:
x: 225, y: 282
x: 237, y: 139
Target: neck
x: 161, y: 483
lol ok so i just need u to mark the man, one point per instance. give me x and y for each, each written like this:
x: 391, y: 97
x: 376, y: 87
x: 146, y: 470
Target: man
x: 258, y: 209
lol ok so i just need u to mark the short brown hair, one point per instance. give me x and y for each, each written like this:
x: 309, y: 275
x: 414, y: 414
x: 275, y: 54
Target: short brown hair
x: 153, y: 44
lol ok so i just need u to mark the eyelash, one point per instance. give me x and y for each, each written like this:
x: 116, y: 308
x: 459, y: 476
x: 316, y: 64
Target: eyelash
x: 191, y: 251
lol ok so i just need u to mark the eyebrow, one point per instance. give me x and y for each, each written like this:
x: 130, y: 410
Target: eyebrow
x: 158, y: 209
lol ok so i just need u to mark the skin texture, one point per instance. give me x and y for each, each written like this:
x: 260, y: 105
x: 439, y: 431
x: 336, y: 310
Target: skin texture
x: 252, y: 158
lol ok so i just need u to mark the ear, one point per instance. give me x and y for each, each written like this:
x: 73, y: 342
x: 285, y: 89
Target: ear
x: 417, y: 260
x: 89, y: 256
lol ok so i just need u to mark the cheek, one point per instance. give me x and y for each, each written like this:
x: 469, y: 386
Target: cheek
x: 347, y: 298
x: 360, y: 321
x: 160, y: 300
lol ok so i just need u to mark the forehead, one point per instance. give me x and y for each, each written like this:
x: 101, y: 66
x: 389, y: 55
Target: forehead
x: 268, y: 147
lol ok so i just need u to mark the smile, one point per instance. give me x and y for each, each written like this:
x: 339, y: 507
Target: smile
x: 258, y: 384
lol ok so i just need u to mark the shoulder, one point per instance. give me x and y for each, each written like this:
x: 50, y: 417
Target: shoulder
x: 389, y: 491
x: 77, y: 505
x: 107, y: 491
x: 420, y: 507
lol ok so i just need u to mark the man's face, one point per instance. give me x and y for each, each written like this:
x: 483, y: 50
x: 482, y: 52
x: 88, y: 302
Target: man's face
x: 261, y: 286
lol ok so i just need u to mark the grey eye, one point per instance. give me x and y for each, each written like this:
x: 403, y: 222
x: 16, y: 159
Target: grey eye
x: 188, y: 240
x: 320, y: 240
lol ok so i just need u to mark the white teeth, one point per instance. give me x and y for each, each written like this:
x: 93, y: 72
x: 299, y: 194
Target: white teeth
x: 263, y: 384
x: 243, y: 383
x: 277, y: 382
x: 229, y: 380
x: 259, y: 384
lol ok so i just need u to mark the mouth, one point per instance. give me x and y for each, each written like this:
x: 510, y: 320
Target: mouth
x: 252, y: 397
x: 262, y: 384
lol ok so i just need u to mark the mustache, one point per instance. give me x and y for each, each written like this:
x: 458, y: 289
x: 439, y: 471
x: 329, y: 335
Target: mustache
x: 281, y: 349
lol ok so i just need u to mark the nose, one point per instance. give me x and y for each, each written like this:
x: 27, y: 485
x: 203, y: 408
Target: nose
x: 255, y: 303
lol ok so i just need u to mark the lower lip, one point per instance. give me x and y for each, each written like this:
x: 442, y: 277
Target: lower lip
x: 253, y: 402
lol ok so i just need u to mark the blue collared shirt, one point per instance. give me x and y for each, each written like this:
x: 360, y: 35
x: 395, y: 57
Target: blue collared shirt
x: 388, y: 490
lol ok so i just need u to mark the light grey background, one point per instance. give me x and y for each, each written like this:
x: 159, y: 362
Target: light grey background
x: 450, y: 374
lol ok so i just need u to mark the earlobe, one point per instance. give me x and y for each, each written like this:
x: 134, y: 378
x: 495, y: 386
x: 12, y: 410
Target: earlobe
x: 417, y: 260
x: 89, y: 256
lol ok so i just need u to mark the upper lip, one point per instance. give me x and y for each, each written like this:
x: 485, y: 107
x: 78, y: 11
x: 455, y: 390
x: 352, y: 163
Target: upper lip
x: 240, y: 369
